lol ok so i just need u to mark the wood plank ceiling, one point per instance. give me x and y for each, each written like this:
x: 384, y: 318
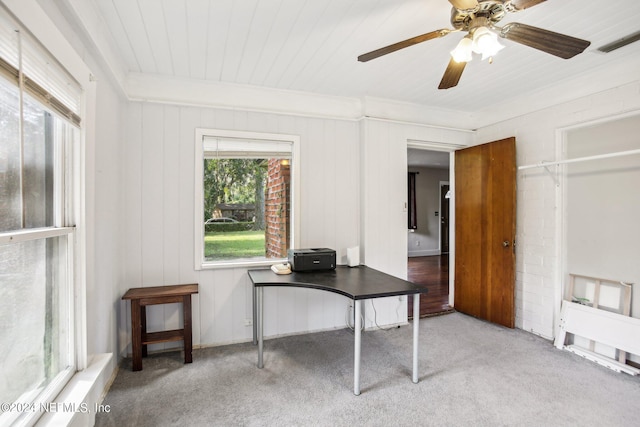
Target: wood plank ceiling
x: 312, y: 45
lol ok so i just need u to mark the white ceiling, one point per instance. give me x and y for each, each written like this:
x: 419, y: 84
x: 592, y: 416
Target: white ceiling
x: 312, y: 46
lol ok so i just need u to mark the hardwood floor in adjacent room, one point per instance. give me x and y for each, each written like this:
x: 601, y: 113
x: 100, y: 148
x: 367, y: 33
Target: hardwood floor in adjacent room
x: 432, y: 271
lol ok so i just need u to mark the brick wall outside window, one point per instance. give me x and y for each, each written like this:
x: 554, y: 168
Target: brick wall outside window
x: 277, y: 208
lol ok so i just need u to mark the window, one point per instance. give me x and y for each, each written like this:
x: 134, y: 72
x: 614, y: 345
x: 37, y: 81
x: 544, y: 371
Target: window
x: 38, y: 142
x: 245, y: 197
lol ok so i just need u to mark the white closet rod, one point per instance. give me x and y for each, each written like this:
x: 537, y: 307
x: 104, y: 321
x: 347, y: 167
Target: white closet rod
x: 580, y: 159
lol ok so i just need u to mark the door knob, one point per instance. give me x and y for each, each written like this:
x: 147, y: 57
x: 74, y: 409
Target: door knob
x: 505, y: 243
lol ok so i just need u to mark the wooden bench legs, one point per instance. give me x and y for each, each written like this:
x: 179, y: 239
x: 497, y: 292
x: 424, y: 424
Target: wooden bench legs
x: 140, y: 338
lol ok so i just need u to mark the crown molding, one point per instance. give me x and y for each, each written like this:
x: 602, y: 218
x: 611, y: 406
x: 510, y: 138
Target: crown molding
x: 172, y: 90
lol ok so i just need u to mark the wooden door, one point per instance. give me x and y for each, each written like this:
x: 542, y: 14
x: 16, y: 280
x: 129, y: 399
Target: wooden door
x: 485, y: 209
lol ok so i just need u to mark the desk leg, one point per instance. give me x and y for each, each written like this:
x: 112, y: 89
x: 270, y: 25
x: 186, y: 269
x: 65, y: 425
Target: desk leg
x: 356, y: 346
x: 255, y: 326
x: 136, y: 335
x: 416, y: 325
x: 260, y: 318
x: 188, y: 337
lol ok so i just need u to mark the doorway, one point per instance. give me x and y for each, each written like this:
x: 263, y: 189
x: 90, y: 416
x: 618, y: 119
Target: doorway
x: 428, y: 236
x: 445, y: 195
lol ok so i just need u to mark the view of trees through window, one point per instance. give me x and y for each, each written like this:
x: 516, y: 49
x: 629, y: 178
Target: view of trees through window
x: 246, y: 208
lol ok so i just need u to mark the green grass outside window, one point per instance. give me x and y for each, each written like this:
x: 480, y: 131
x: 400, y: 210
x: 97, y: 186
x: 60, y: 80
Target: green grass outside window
x: 234, y: 244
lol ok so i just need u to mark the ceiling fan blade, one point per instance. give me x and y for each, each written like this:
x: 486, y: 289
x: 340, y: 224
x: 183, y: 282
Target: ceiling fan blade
x: 556, y: 44
x: 464, y: 4
x: 452, y: 74
x: 401, y: 45
x: 525, y: 4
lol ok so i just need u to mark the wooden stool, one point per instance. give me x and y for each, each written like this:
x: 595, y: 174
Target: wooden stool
x: 140, y: 299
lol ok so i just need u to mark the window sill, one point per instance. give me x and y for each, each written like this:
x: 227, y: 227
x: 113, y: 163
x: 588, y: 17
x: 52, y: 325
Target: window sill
x: 78, y: 402
x: 241, y: 263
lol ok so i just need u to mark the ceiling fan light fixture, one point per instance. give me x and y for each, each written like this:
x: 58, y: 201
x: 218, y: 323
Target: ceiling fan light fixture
x: 485, y: 42
x: 463, y: 51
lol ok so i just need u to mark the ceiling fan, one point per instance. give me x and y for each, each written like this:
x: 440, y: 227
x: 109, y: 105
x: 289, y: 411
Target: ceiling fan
x: 478, y: 18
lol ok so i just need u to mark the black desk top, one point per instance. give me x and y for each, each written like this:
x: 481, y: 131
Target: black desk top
x: 353, y: 282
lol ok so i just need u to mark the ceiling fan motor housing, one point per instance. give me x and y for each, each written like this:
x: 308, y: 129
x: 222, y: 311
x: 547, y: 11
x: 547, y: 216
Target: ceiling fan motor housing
x: 491, y: 10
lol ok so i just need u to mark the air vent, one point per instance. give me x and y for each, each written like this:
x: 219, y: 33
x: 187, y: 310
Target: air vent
x: 620, y: 43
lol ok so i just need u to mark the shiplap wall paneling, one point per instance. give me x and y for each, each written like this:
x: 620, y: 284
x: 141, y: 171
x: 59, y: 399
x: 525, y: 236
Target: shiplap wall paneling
x: 106, y: 287
x: 374, y: 190
x: 314, y: 180
x: 159, y: 216
x: 152, y: 224
x: 241, y: 310
x: 385, y: 189
x: 329, y: 211
x: 171, y: 192
x: 347, y: 162
x: 171, y: 214
x: 153, y: 213
x: 132, y: 251
x: 217, y: 312
x: 188, y: 120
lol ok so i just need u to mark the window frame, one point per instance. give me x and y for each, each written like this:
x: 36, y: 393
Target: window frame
x: 43, y: 39
x: 65, y: 210
x: 200, y: 135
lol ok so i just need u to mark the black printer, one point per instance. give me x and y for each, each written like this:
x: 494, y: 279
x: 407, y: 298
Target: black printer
x: 312, y: 259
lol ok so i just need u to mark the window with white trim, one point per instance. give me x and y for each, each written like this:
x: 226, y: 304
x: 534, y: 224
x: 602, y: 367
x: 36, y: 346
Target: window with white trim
x: 39, y: 140
x: 246, y: 198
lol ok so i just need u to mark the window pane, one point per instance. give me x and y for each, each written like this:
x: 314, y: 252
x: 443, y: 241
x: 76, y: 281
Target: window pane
x: 38, y: 165
x: 34, y: 316
x: 10, y: 196
x: 246, y: 208
x: 35, y: 199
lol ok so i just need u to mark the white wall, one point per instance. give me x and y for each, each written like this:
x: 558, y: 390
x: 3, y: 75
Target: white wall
x: 425, y: 240
x: 103, y: 295
x: 158, y: 247
x: 538, y: 236
x: 602, y: 205
x: 384, y: 198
